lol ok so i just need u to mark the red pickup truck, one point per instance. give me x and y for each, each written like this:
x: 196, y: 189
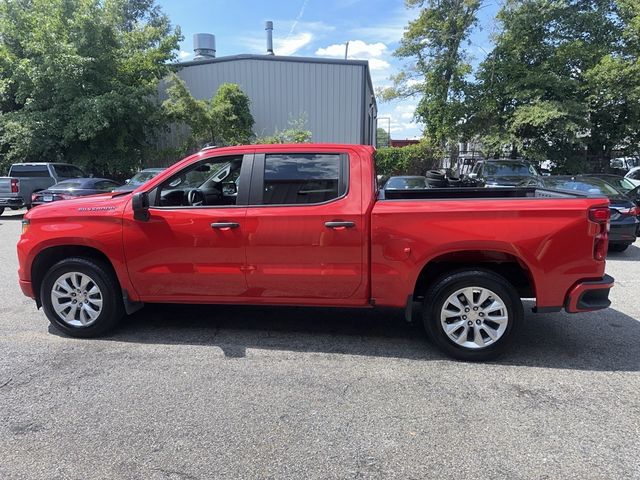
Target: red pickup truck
x: 306, y: 225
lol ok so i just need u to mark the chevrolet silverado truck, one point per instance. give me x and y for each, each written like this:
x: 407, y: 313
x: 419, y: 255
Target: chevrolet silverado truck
x: 25, y: 179
x: 306, y: 225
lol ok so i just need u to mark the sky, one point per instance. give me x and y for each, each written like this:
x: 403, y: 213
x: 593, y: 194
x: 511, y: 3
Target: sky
x: 320, y: 28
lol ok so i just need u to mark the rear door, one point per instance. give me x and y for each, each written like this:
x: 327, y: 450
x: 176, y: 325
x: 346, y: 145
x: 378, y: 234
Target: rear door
x: 304, y: 227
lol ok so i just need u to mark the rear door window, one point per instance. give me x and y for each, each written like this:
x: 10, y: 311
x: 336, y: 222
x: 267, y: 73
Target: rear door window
x: 298, y: 179
x: 25, y: 171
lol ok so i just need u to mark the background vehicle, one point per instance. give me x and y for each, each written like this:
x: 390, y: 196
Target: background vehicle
x: 634, y: 176
x: 618, y: 182
x: 139, y: 178
x: 624, y: 164
x: 406, y: 182
x: 303, y: 225
x: 504, y: 173
x: 68, y: 189
x: 624, y: 211
x: 26, y: 178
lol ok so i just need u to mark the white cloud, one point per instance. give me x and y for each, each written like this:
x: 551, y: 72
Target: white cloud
x: 183, y: 55
x: 358, y: 50
x: 378, y: 64
x: 291, y: 44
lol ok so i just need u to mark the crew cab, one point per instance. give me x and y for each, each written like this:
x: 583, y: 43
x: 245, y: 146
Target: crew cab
x: 305, y: 225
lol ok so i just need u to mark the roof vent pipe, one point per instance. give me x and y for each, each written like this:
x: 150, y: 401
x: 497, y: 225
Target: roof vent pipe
x: 204, y: 46
x: 269, y: 28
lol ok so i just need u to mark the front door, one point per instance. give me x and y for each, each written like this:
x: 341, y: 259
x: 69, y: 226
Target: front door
x: 304, y: 229
x: 192, y: 246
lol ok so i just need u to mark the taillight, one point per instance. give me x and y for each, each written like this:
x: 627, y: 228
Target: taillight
x: 635, y: 211
x: 15, y: 185
x: 601, y: 216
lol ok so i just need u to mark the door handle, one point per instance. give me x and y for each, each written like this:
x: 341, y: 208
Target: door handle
x: 338, y: 225
x: 224, y: 225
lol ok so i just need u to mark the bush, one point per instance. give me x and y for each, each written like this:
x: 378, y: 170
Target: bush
x: 410, y: 160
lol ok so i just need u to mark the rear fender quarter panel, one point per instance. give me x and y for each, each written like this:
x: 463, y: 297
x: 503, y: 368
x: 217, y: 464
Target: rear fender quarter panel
x: 552, y: 238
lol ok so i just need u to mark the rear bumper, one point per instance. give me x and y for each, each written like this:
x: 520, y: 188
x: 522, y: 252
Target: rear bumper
x: 589, y: 295
x: 15, y: 202
x: 624, y: 232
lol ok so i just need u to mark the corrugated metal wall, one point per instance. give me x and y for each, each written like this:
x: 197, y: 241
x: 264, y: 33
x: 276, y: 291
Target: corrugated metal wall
x: 330, y: 95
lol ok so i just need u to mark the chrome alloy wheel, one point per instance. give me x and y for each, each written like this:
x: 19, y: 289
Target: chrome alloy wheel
x: 474, y: 317
x: 76, y: 299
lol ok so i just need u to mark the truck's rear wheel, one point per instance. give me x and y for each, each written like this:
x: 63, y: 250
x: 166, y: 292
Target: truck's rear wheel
x: 472, y: 314
x: 81, y: 297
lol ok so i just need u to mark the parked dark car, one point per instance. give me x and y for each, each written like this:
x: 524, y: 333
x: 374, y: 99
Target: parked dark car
x: 78, y: 187
x: 139, y: 178
x: 505, y: 173
x: 24, y: 179
x: 409, y: 182
x: 624, y: 212
x: 619, y: 182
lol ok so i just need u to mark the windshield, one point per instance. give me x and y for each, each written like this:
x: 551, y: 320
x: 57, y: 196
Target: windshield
x: 509, y: 169
x: 68, y: 171
x: 406, y: 183
x: 620, y: 183
x: 142, y: 177
x: 591, y: 185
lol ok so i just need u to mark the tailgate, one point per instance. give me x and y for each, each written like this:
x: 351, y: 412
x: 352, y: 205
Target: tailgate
x: 5, y: 187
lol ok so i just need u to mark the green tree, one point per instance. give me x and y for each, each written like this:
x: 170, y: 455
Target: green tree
x: 549, y: 88
x: 78, y: 79
x: 295, y: 133
x: 224, y: 120
x: 439, y: 75
x: 232, y: 116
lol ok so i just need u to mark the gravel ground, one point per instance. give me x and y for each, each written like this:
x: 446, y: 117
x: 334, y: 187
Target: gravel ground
x: 240, y: 392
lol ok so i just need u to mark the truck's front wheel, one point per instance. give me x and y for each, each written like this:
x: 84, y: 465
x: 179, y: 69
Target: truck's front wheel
x: 81, y: 297
x: 472, y: 314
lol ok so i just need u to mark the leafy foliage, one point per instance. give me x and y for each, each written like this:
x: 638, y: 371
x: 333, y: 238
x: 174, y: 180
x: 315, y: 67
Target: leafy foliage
x: 224, y: 120
x: 78, y: 80
x: 439, y: 75
x: 562, y: 81
x: 410, y: 160
x: 296, y: 133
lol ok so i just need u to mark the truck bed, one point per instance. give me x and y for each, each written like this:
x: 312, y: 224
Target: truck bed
x: 471, y: 193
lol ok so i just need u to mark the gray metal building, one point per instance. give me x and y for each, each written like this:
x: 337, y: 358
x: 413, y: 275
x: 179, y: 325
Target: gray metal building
x: 335, y: 96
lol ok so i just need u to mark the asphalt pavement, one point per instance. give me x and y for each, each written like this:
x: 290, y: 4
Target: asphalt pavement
x: 188, y: 392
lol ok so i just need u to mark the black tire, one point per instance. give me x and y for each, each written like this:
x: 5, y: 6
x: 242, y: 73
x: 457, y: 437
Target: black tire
x: 1, y: 210
x: 112, y: 306
x: 438, y: 293
x: 436, y: 174
x: 437, y: 183
x: 618, y: 247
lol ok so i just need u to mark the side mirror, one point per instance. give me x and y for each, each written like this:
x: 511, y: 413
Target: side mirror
x: 140, y: 205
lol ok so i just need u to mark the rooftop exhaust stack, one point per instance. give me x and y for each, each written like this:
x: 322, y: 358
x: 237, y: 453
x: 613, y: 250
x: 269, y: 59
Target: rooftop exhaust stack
x: 204, y: 46
x: 269, y: 28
